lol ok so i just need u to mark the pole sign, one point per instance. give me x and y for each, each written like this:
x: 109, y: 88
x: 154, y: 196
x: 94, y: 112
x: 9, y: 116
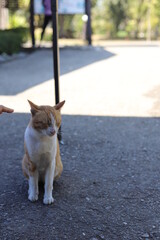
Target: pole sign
x: 64, y: 7
x: 38, y: 7
x: 71, y: 7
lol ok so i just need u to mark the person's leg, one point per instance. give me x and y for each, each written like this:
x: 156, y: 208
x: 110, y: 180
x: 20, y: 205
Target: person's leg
x: 45, y: 23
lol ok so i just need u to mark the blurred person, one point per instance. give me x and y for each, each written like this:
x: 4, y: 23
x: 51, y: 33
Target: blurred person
x: 5, y: 109
x: 47, y: 15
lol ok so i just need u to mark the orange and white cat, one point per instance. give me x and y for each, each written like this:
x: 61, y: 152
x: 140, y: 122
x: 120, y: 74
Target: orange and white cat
x: 42, y: 160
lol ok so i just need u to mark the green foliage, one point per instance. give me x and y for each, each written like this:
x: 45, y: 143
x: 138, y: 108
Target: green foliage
x: 100, y: 24
x: 122, y: 34
x: 78, y: 26
x: 157, y: 7
x: 94, y: 3
x: 17, y: 4
x: 138, y: 18
x: 117, y: 12
x: 11, y: 40
x: 19, y: 13
x: 17, y: 20
x: 70, y: 26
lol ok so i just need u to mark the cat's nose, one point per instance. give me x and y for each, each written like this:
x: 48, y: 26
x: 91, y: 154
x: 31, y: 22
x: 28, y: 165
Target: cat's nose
x: 52, y: 132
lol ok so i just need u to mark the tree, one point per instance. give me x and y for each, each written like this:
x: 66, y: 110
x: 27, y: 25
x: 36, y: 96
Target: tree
x: 138, y: 11
x: 116, y: 10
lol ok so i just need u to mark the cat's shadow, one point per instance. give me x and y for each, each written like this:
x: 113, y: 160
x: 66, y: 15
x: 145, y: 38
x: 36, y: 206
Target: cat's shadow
x: 56, y: 188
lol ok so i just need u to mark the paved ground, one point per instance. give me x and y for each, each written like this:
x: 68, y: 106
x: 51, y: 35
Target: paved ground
x: 110, y: 187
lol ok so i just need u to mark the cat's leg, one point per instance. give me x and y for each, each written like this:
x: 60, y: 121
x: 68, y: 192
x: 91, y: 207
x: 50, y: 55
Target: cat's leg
x: 49, y: 177
x: 33, y: 187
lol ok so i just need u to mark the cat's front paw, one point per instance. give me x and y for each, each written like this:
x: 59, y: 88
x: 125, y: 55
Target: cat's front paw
x: 48, y: 200
x: 33, y: 197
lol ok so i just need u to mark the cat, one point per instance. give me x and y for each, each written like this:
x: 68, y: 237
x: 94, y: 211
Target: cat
x: 42, y: 160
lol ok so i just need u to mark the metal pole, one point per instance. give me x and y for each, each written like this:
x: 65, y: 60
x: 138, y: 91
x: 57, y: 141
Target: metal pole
x: 32, y: 22
x: 89, y: 29
x: 54, y: 7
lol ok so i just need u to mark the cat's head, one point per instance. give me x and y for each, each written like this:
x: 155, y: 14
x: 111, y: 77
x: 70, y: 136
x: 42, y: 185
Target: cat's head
x: 46, y: 120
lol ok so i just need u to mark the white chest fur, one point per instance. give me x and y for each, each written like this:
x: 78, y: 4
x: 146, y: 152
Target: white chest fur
x: 41, y: 149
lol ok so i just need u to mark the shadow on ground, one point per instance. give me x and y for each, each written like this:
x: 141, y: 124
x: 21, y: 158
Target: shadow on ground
x: 110, y: 187
x: 39, y: 67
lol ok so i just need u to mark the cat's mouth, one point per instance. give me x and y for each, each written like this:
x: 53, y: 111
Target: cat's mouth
x: 52, y: 133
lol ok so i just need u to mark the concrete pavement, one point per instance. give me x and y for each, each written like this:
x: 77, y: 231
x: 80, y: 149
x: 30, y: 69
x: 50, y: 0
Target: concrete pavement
x: 110, y: 186
x: 113, y: 81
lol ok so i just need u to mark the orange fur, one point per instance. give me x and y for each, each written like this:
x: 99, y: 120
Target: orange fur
x: 59, y: 165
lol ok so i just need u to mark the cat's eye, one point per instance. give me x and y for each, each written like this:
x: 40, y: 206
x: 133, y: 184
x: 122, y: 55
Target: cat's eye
x: 38, y: 122
x: 49, y: 123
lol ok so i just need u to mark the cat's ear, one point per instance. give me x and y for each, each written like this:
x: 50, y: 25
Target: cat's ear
x: 34, y: 108
x: 59, y: 105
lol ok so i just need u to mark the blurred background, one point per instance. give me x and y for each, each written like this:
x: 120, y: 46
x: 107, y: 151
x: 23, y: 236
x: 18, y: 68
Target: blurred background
x: 111, y: 19
x: 110, y: 124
